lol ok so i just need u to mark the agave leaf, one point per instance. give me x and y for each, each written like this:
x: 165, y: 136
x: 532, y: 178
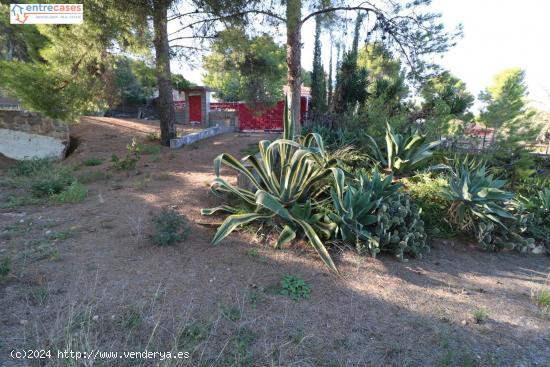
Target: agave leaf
x: 221, y: 208
x: 287, y: 235
x: 232, y: 222
x: 271, y: 203
x: 234, y: 163
x: 317, y: 244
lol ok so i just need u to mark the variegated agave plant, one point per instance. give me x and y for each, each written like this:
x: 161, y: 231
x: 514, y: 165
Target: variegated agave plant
x: 403, y: 152
x: 285, y: 181
x: 476, y: 196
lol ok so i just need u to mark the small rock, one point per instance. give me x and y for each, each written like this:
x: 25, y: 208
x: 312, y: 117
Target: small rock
x: 95, y: 318
x: 463, y: 322
x: 23, y: 322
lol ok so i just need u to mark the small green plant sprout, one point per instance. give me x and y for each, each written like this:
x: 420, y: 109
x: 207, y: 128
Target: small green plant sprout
x: 170, y: 227
x: 294, y: 287
x: 252, y: 252
x: 480, y: 315
x: 132, y: 157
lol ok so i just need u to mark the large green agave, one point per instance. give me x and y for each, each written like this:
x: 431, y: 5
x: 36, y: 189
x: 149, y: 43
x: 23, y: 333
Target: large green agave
x: 404, y: 152
x: 285, y: 181
x: 474, y: 196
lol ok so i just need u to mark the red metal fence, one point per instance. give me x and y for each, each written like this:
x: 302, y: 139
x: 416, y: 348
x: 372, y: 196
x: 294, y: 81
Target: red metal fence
x: 268, y: 120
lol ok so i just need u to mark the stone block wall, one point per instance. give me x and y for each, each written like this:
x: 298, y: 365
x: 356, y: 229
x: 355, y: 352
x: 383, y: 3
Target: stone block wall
x: 28, y: 135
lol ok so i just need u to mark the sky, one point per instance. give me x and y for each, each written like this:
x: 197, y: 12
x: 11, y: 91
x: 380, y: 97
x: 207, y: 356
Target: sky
x: 498, y: 34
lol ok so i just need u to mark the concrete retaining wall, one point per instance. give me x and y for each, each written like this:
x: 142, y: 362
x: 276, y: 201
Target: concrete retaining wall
x: 28, y: 135
x: 200, y: 135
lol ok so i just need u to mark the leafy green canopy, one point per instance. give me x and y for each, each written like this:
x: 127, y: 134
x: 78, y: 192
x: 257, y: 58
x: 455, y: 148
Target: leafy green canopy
x: 506, y: 108
x: 64, y: 71
x: 445, y: 98
x: 243, y: 68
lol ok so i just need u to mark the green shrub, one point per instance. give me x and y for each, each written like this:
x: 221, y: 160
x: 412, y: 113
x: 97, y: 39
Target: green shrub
x: 132, y: 157
x: 92, y: 162
x: 170, y: 227
x: 426, y: 192
x: 51, y: 183
x: 294, y: 287
x: 31, y: 167
x: 74, y: 193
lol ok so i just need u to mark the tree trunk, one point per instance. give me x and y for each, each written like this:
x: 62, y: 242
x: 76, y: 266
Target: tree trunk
x: 293, y: 56
x: 164, y: 77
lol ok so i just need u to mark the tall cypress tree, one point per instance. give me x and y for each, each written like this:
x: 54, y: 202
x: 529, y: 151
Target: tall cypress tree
x: 351, y: 81
x: 318, y: 82
x: 330, y: 82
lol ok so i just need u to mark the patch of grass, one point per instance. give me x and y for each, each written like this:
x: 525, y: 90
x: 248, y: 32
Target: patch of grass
x: 294, y: 287
x: 75, y: 193
x: 143, y: 183
x: 150, y: 149
x: 253, y: 253
x: 126, y: 164
x: 17, y: 201
x: 231, y: 313
x: 5, y: 266
x: 31, y: 167
x: 130, y: 318
x: 94, y: 176
x: 93, y: 161
x: 190, y: 335
x: 39, y: 296
x: 40, y: 249
x: 51, y: 184
x: 254, y: 298
x: 542, y: 298
x: 242, y: 355
x: 480, y: 315
x: 44, y: 182
x: 170, y: 227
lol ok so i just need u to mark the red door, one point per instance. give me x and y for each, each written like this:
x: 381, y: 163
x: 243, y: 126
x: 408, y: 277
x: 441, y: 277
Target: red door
x: 195, y: 110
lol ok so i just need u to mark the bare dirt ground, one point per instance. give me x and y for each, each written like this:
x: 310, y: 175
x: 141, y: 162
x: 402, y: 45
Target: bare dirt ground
x: 101, y: 284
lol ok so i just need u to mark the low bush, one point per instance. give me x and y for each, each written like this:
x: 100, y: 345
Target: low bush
x: 130, y: 160
x: 93, y: 161
x: 31, y: 167
x: 294, y: 287
x: 53, y: 183
x: 425, y: 190
x: 74, y: 193
x: 169, y: 227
